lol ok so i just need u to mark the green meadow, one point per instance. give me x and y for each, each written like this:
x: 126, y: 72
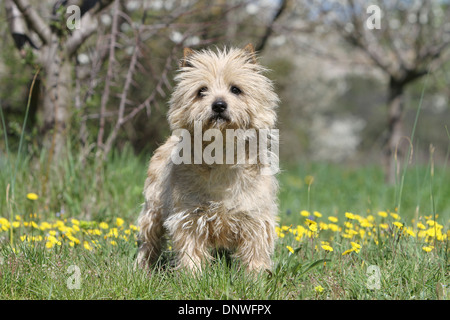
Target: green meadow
x: 68, y: 231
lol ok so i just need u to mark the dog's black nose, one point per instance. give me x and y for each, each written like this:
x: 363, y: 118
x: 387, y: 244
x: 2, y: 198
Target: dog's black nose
x: 219, y: 106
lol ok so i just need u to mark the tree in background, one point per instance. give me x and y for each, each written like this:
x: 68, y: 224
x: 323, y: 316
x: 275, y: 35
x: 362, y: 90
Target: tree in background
x: 118, y: 65
x: 52, y: 45
x: 406, y: 40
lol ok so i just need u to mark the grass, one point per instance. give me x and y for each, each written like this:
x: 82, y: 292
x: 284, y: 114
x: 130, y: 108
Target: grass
x: 88, y: 221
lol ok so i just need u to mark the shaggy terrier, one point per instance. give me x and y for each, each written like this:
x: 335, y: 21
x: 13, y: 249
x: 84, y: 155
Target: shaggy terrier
x: 219, y: 194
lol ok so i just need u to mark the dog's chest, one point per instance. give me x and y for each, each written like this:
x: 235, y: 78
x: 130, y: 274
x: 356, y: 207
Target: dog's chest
x: 228, y: 186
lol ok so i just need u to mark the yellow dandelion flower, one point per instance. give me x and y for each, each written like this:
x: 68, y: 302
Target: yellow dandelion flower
x: 45, y: 225
x: 133, y: 227
x: 73, y: 239
x: 410, y: 232
x: 422, y: 234
x: 349, y: 215
x: 319, y: 289
x: 49, y: 244
x: 113, y: 232
x: 355, y: 246
x: 313, y: 227
x: 395, y: 216
x: 333, y: 227
x: 32, y: 196
x: 53, y: 240
x: 75, y: 222
x: 323, y: 226
x: 333, y: 219
x: 96, y: 232
x: 382, y: 214
x: 431, y: 232
x: 398, y: 224
x: 304, y: 213
x: 103, y: 225
x: 290, y: 249
x: 16, y: 224
x: 347, y: 251
x: 277, y: 229
x: 427, y: 249
x: 87, y: 246
x: 420, y: 225
x: 347, y: 236
x: 362, y: 233
x: 113, y: 243
x: 348, y: 225
x: 119, y: 222
x: 327, y: 248
x: 384, y: 226
x: 366, y: 224
x: 317, y: 214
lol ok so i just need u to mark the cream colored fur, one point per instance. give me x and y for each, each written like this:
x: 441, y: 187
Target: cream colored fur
x: 203, y: 207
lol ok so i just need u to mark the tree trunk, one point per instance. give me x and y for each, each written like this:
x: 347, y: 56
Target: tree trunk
x: 393, y: 151
x: 56, y: 102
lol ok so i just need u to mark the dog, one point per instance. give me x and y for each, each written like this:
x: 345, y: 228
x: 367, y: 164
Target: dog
x: 201, y: 205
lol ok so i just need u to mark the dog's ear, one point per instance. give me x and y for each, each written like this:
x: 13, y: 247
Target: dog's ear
x: 187, y: 52
x: 250, y: 50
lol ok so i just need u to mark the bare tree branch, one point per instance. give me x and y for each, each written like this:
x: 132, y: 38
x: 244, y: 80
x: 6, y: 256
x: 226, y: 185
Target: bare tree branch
x: 89, y: 24
x: 151, y: 99
x: 17, y: 26
x: 123, y: 99
x: 34, y: 20
x: 109, y: 74
x: 269, y: 28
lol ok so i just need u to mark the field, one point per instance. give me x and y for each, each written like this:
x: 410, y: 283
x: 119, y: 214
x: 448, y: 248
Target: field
x: 68, y: 231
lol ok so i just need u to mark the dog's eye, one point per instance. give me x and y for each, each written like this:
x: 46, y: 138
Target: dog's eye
x: 201, y: 91
x: 235, y: 90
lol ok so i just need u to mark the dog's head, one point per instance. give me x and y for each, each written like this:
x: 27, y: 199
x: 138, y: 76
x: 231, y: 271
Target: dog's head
x: 225, y: 89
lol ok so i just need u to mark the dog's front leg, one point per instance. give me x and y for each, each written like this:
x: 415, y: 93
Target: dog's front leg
x: 256, y: 245
x: 190, y: 241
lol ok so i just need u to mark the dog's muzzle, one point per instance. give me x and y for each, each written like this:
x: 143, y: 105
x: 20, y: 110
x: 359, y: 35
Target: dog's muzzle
x: 219, y: 110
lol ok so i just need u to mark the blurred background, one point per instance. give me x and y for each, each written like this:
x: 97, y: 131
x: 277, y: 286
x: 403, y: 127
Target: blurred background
x: 358, y: 85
